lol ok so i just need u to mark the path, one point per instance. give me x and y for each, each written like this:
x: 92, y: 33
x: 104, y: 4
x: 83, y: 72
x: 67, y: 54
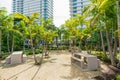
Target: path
x: 57, y: 67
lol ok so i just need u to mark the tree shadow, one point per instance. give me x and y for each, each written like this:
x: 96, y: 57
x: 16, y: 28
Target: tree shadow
x: 20, y: 72
x: 36, y: 72
x: 50, y: 60
x: 4, y: 65
x: 76, y: 73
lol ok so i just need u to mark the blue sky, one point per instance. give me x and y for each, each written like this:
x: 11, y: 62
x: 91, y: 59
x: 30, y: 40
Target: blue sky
x: 61, y: 10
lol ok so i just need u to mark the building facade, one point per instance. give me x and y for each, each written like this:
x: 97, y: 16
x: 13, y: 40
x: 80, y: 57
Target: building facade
x: 44, y: 7
x: 76, y: 6
x: 17, y: 6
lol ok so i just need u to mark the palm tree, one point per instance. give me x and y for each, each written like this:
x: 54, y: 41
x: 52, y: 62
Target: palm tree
x: 3, y: 14
x: 34, y: 30
x: 13, y: 29
x: 100, y: 9
x: 118, y: 24
x: 23, y: 29
x: 80, y: 20
x: 30, y: 21
x: 118, y: 20
x: 71, y: 25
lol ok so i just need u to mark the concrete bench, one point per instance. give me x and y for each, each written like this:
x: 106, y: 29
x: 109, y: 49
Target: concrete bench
x: 87, y: 61
x: 16, y: 58
x: 73, y: 59
x: 8, y: 60
x: 24, y: 58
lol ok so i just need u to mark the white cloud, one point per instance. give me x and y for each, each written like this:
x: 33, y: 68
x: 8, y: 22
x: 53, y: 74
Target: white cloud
x: 7, y: 4
x: 61, y: 11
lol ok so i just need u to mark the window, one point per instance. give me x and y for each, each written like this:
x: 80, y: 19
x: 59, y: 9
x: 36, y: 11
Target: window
x: 74, y: 0
x: 74, y: 4
x: 74, y: 7
x: 74, y: 11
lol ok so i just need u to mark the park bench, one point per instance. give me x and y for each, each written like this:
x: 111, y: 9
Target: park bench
x: 85, y: 61
x: 16, y: 58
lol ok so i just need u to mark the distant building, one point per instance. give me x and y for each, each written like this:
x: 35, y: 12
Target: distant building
x: 17, y: 6
x: 27, y: 7
x: 76, y: 6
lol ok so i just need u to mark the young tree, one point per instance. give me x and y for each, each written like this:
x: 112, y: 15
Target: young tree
x: 30, y: 21
x: 118, y: 19
x: 3, y: 14
x: 101, y: 9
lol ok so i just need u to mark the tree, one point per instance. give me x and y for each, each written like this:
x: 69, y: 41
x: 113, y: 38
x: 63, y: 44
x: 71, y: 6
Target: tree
x: 30, y: 27
x: 99, y: 9
x: 118, y: 19
x: 71, y: 25
x: 3, y: 14
x: 30, y: 21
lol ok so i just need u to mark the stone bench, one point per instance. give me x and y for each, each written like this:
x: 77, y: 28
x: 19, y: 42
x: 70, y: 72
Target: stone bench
x: 73, y: 59
x: 16, y: 58
x: 24, y: 58
x: 8, y: 60
x: 85, y: 61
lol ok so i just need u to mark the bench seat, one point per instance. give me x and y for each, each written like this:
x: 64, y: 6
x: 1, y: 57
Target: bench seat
x: 80, y: 60
x: 16, y: 58
x: 85, y: 61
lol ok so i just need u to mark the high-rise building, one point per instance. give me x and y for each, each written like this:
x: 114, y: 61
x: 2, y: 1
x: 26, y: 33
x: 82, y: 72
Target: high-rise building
x: 44, y: 7
x: 76, y: 6
x: 17, y: 6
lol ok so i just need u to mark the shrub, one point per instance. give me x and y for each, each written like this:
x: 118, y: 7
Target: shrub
x: 118, y: 77
x: 37, y: 51
x: 29, y: 52
x: 4, y: 55
x: 105, y: 58
x: 99, y: 53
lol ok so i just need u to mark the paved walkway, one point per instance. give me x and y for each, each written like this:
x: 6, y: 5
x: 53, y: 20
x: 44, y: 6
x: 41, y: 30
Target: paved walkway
x: 57, y: 67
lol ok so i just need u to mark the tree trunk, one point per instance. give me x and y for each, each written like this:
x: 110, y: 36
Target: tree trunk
x: 23, y: 41
x: 12, y: 43
x: 57, y: 42
x: 118, y: 21
x: 90, y: 48
x: 103, y: 47
x: 115, y: 46
x: 80, y: 50
x: 45, y: 47
x: 86, y: 48
x: 0, y: 41
x: 41, y: 57
x: 32, y: 48
x: 8, y: 44
x: 23, y: 45
x: 109, y: 47
x: 70, y: 46
x: 60, y: 42
x: 73, y: 46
